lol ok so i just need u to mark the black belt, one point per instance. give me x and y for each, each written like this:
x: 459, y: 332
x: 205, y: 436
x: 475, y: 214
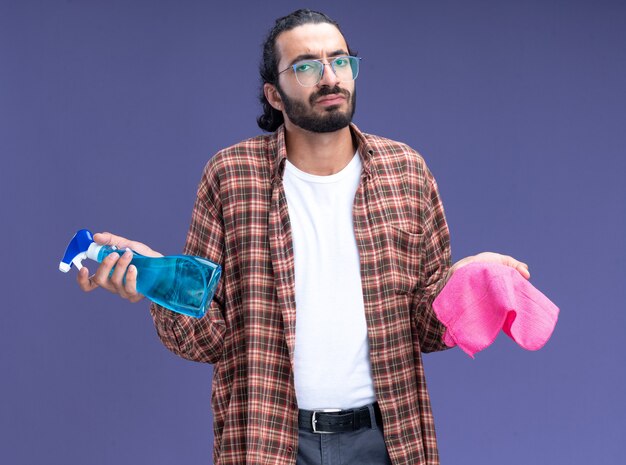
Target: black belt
x: 338, y: 421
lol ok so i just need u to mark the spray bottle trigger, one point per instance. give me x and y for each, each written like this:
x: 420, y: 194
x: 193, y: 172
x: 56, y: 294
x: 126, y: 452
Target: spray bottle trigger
x: 78, y: 261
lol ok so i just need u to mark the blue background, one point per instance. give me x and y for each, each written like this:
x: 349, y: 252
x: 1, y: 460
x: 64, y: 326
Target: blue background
x: 109, y: 111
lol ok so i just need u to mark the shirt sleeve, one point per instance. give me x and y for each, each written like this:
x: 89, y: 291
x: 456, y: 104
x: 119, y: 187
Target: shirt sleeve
x: 199, y: 339
x: 434, y: 266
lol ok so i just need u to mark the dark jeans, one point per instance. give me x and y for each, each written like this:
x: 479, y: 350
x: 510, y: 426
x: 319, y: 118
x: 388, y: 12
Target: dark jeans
x: 363, y: 447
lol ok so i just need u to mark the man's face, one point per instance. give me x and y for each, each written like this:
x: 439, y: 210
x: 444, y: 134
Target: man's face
x: 327, y: 106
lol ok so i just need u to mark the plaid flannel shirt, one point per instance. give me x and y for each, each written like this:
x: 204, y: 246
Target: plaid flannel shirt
x: 240, y: 220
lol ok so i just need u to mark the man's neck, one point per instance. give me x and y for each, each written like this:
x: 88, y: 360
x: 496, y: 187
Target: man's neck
x: 321, y: 154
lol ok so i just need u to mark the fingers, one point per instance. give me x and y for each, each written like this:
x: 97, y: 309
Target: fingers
x: 106, y: 238
x: 117, y: 278
x: 120, y: 242
x: 115, y: 275
x: 101, y: 276
x: 131, y: 284
x: 491, y: 257
x: 521, y: 267
x: 84, y: 281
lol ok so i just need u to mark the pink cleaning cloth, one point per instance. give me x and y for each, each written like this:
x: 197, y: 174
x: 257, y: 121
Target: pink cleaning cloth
x: 480, y: 299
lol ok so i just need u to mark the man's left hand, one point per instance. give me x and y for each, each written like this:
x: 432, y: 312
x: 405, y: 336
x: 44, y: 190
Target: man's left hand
x: 491, y: 257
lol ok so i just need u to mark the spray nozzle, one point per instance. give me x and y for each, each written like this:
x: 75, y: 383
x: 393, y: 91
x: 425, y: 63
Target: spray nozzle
x: 76, y: 250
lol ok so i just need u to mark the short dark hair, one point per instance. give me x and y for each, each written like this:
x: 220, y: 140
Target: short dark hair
x: 271, y: 118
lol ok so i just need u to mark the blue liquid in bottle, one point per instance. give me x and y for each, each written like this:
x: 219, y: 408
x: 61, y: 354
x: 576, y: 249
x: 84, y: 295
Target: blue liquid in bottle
x: 182, y: 283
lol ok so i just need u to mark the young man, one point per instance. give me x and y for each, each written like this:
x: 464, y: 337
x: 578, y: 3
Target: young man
x: 333, y: 245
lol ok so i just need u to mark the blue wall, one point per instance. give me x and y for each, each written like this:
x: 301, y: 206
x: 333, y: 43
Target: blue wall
x: 109, y: 111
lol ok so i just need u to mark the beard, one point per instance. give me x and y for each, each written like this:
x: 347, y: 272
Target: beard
x: 332, y: 119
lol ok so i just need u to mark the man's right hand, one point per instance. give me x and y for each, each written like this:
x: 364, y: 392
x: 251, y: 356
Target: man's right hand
x: 125, y: 288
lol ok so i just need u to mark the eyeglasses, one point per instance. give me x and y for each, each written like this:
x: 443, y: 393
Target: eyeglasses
x: 309, y: 72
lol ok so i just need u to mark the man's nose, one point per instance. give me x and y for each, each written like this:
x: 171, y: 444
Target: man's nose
x: 329, y: 78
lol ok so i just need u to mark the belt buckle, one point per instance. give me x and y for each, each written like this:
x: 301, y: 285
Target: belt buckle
x: 314, y: 419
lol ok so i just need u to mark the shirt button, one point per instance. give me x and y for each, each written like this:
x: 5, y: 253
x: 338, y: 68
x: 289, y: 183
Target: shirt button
x: 290, y: 449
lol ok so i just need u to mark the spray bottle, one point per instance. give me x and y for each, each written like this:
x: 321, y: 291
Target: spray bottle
x: 182, y: 283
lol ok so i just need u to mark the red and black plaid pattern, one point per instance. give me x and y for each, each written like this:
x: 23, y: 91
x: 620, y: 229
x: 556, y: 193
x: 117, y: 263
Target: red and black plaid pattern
x: 240, y: 220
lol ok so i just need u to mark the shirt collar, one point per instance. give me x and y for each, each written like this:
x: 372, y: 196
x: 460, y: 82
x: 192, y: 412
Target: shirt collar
x: 278, y: 151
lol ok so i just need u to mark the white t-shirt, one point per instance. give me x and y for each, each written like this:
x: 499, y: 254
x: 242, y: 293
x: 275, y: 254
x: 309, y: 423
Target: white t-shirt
x: 332, y: 366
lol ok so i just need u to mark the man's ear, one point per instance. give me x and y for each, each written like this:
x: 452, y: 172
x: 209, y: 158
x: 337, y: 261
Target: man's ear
x: 272, y: 96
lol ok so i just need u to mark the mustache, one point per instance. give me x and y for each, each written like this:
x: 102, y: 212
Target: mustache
x: 328, y: 91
